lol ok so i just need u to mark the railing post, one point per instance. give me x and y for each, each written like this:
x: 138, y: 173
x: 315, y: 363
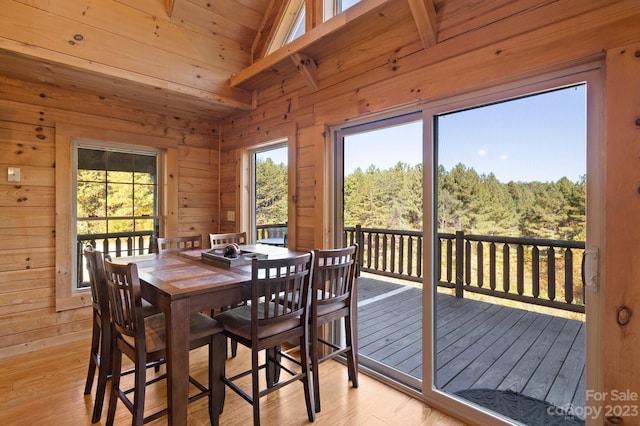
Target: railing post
x: 459, y: 263
x: 360, y: 241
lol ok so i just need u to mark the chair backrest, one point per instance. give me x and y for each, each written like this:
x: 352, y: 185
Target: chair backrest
x: 274, y: 278
x: 333, y: 278
x: 125, y: 299
x: 95, y: 268
x: 221, y: 240
x: 192, y: 242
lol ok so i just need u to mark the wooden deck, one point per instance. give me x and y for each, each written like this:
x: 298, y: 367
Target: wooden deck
x: 479, y: 345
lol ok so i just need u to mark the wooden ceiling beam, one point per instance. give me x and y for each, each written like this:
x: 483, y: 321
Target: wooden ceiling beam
x: 424, y: 14
x: 308, y: 68
x: 250, y: 76
x: 169, y: 5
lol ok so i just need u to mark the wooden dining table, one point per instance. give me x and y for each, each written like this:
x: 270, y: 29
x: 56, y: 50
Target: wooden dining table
x: 180, y: 283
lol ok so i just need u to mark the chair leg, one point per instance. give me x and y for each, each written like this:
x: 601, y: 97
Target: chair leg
x: 272, y: 370
x: 234, y: 348
x: 352, y: 354
x: 314, y: 368
x: 140, y: 384
x: 217, y: 355
x: 307, y: 381
x: 104, y: 370
x: 115, y: 386
x: 255, y: 387
x: 93, y: 356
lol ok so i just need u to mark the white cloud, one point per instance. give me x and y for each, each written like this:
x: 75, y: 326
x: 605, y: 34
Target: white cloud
x: 482, y: 152
x: 504, y: 157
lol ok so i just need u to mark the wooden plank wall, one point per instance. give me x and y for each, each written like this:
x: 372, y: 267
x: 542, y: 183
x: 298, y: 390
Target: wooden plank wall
x: 28, y: 116
x: 537, y: 38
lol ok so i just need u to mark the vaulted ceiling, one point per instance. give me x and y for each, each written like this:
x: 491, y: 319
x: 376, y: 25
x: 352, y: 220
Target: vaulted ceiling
x: 184, y: 57
x: 202, y: 58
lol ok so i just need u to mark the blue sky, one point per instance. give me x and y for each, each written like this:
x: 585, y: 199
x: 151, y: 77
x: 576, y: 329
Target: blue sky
x: 535, y: 138
x: 539, y: 138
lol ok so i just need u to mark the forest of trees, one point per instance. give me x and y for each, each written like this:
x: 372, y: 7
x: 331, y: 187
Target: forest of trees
x: 271, y: 192
x: 104, y: 196
x: 468, y: 201
x: 374, y: 198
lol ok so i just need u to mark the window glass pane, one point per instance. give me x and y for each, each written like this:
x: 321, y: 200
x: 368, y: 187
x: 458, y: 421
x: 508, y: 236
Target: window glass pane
x: 115, y: 184
x: 92, y: 227
x: 119, y: 200
x: 117, y: 176
x: 144, y: 224
x: 94, y: 200
x: 346, y: 4
x: 144, y: 200
x: 511, y: 216
x: 92, y: 176
x: 91, y: 159
x: 145, y: 166
x: 271, y: 177
x: 120, y: 162
x: 120, y: 225
x: 381, y: 184
x: 298, y: 26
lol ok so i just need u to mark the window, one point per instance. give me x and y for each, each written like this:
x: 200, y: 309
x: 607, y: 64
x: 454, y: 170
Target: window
x: 298, y: 27
x: 345, y: 4
x: 270, y: 194
x: 504, y: 180
x: 116, y: 201
x: 379, y: 205
x: 292, y: 24
x: 68, y: 137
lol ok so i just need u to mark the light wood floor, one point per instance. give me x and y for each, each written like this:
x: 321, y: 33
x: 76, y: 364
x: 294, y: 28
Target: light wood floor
x: 46, y: 388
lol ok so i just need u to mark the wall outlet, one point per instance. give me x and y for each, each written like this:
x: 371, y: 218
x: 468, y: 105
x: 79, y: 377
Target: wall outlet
x: 231, y: 216
x: 13, y: 174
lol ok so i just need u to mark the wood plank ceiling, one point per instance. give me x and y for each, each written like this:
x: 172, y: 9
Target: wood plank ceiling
x: 198, y: 58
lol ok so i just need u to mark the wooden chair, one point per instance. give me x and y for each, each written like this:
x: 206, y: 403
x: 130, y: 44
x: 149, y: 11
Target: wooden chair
x: 334, y: 285
x: 165, y: 244
x: 100, y: 357
x: 101, y: 335
x: 221, y: 240
x: 142, y: 339
x: 264, y: 324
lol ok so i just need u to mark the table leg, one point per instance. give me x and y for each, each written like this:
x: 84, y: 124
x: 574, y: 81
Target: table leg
x: 177, y: 329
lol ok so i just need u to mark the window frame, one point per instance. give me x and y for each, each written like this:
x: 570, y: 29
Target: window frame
x: 79, y: 143
x: 253, y: 152
x: 589, y: 72
x: 286, y: 134
x: 66, y: 294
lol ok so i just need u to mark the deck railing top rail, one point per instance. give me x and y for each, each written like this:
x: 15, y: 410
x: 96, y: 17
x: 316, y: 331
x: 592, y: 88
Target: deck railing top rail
x: 539, y: 271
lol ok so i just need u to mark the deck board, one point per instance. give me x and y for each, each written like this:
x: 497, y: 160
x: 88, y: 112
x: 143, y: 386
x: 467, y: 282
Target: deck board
x: 478, y: 344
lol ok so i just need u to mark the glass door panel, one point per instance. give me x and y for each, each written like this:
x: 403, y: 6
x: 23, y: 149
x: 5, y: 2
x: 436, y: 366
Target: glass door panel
x: 510, y: 218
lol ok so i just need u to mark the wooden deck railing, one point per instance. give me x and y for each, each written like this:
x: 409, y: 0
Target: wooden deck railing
x: 538, y: 271
x: 274, y: 230
x: 116, y: 244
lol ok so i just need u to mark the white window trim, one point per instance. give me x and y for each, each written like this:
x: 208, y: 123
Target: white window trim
x: 66, y: 296
x: 108, y: 146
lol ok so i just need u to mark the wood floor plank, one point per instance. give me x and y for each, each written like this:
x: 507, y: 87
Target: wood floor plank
x: 46, y: 388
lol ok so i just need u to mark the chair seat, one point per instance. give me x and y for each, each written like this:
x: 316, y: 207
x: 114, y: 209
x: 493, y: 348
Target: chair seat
x: 238, y: 321
x: 200, y: 326
x: 333, y: 305
x: 330, y: 308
